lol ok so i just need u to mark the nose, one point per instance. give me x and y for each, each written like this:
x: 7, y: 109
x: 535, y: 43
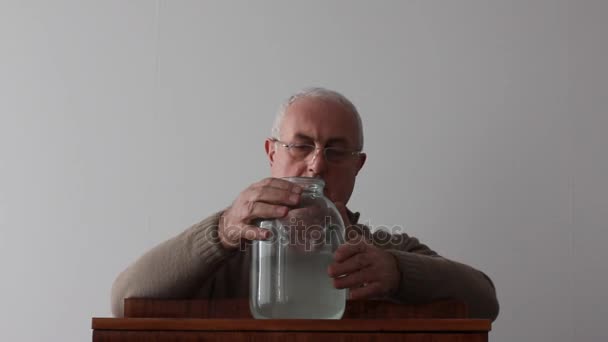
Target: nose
x: 317, y: 164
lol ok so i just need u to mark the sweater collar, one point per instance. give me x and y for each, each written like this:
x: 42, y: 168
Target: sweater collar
x: 353, y: 216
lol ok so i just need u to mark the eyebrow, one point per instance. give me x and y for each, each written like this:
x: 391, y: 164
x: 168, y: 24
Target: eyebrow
x: 329, y: 142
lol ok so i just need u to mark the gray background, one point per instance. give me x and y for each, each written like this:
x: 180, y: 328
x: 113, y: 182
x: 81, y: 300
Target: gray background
x: 124, y: 122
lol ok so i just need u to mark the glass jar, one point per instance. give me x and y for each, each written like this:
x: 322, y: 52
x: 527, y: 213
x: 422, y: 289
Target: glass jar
x: 289, y: 271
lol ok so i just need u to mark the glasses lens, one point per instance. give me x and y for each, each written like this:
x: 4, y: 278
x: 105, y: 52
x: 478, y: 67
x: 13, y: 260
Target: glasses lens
x: 337, y: 155
x: 300, y: 151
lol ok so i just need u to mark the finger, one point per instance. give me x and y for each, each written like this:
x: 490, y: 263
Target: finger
x: 279, y: 184
x: 273, y: 195
x: 370, y: 290
x: 352, y: 280
x: 255, y: 233
x: 350, y: 265
x: 266, y: 211
x: 347, y: 250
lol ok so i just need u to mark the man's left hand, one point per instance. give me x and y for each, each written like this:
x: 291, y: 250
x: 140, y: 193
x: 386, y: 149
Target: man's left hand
x: 365, y: 269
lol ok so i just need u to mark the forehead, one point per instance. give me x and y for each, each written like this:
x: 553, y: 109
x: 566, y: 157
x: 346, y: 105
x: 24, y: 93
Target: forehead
x: 323, y: 120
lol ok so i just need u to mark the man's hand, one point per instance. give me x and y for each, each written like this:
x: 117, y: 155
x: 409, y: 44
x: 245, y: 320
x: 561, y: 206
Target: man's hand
x: 365, y: 269
x: 267, y: 199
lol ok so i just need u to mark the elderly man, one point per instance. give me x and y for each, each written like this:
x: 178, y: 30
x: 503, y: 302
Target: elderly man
x: 317, y: 133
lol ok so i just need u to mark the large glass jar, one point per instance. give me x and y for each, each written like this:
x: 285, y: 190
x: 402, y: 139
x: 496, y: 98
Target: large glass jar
x: 289, y: 271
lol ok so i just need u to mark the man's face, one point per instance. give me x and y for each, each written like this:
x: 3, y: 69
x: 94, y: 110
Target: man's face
x: 323, y: 123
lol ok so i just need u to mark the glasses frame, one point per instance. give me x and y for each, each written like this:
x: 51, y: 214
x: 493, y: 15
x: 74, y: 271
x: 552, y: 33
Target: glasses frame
x: 288, y: 146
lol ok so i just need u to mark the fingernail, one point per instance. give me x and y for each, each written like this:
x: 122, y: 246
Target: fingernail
x: 296, y: 189
x: 281, y: 211
x: 294, y: 198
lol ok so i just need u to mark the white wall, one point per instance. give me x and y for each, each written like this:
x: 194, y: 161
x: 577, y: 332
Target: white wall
x: 123, y: 122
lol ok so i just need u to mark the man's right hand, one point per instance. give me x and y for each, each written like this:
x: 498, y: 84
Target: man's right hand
x: 267, y: 199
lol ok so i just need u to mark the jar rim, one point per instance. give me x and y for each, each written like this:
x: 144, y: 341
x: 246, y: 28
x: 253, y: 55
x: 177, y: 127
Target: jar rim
x: 306, y: 181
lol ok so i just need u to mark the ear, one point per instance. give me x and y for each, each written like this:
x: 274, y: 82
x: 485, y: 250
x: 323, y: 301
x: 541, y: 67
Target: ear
x: 361, y: 161
x: 269, y: 146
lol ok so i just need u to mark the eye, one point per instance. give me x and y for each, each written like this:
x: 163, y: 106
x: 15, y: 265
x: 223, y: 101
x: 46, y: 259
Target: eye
x: 336, y: 153
x: 301, y: 149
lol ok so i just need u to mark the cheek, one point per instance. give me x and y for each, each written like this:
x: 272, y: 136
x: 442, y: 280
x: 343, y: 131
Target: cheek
x: 281, y: 169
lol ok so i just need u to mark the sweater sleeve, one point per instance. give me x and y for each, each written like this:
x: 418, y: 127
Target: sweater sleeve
x: 426, y: 276
x: 173, y: 269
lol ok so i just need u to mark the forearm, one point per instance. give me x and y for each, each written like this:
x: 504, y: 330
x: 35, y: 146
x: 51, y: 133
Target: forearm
x: 173, y: 269
x: 427, y: 278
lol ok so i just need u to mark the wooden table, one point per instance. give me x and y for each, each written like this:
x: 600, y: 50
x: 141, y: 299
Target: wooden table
x: 230, y: 320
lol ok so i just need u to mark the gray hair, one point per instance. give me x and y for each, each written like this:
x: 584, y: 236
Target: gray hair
x: 321, y: 93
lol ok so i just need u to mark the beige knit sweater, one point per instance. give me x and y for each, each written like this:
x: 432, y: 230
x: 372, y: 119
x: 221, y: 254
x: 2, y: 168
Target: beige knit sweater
x: 195, y: 265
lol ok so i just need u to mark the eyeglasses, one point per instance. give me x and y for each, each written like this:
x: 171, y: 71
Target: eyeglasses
x: 334, y: 155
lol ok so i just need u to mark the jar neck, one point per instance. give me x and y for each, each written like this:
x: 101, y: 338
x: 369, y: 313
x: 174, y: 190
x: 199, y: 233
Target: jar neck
x: 308, y: 184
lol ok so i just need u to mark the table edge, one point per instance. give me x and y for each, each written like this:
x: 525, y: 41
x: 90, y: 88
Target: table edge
x: 354, y: 325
